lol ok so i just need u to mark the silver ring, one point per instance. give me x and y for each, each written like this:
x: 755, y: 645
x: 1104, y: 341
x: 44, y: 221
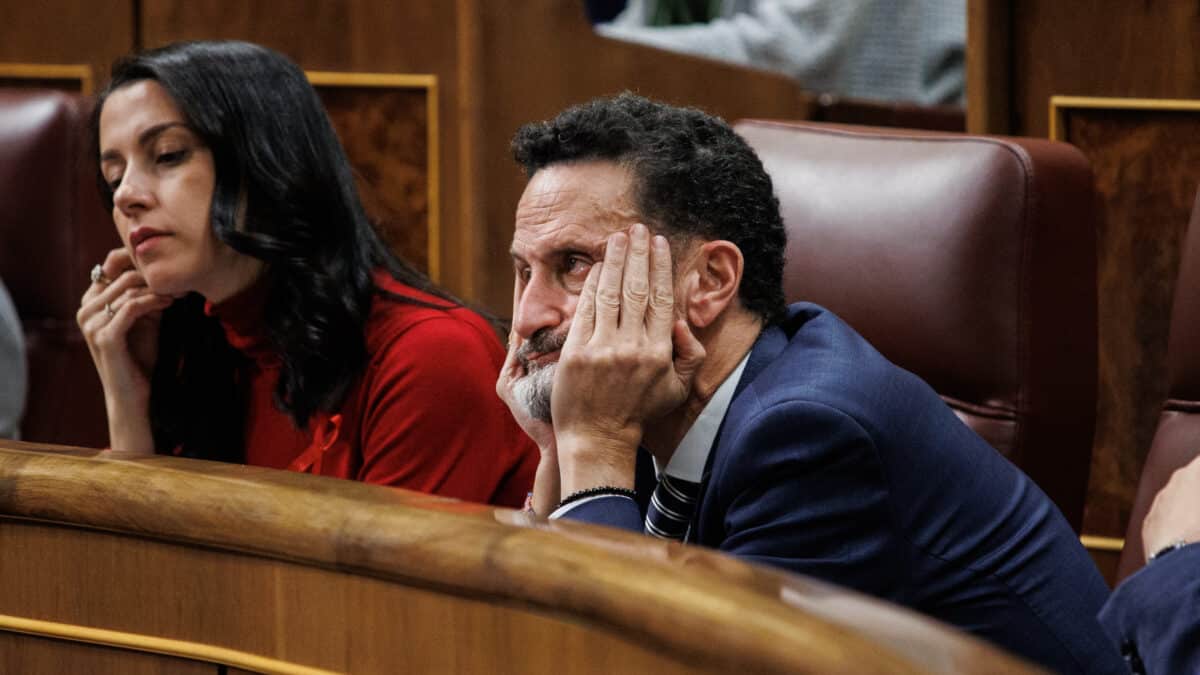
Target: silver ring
x: 98, y: 275
x: 108, y: 308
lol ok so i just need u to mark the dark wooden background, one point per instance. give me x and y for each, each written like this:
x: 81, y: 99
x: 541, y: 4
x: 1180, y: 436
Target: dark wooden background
x: 497, y: 64
x: 1023, y: 52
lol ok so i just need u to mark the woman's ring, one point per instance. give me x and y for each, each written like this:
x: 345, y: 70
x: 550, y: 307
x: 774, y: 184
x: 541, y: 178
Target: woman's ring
x: 108, y: 308
x: 98, y: 275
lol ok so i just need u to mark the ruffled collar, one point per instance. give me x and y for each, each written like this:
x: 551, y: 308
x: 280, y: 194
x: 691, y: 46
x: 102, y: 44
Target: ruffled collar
x: 241, y: 317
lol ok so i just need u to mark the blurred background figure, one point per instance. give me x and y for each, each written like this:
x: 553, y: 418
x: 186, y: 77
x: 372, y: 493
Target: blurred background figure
x: 12, y: 367
x: 889, y: 50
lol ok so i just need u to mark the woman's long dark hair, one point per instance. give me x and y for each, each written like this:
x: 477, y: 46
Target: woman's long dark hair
x: 284, y: 194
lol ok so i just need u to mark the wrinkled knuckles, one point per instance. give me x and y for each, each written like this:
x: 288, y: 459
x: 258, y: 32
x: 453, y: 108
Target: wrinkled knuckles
x: 636, y: 292
x: 662, y: 298
x: 608, y: 298
x: 660, y: 353
x: 575, y: 360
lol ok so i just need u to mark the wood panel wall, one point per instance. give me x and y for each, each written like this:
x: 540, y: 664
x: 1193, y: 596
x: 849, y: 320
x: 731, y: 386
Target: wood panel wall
x: 21, y: 653
x: 355, y: 37
x: 524, y: 77
x: 1020, y: 54
x: 93, y: 33
x: 498, y: 65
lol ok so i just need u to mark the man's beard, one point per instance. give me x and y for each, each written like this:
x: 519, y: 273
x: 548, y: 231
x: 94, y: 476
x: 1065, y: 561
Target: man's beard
x: 534, y: 389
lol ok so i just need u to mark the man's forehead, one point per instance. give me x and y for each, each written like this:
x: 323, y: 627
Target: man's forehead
x: 572, y: 206
x: 549, y: 238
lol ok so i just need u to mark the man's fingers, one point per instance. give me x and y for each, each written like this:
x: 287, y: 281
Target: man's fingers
x: 689, y: 352
x: 508, y: 371
x: 608, y: 288
x: 635, y: 285
x: 660, y: 312
x: 583, y: 325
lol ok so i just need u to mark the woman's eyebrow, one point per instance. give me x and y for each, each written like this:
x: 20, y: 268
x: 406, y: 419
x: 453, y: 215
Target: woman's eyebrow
x: 147, y: 136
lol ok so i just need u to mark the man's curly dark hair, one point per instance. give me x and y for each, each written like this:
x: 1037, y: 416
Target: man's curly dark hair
x: 693, y: 177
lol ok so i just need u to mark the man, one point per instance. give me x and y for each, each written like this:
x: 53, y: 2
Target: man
x: 780, y: 435
x: 1155, y: 614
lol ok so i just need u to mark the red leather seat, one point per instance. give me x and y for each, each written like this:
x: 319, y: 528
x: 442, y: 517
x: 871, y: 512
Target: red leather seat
x: 53, y: 229
x: 1177, y: 438
x: 968, y: 260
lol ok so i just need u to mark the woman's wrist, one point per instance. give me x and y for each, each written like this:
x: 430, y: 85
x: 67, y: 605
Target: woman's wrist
x: 129, y: 430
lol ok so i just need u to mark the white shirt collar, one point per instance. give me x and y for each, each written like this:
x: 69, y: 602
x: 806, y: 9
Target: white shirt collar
x: 692, y: 452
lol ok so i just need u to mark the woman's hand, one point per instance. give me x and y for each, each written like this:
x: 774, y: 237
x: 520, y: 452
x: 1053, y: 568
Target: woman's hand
x: 119, y: 316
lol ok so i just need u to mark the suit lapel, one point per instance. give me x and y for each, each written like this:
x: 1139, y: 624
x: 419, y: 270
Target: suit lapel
x: 767, y: 348
x: 770, y: 343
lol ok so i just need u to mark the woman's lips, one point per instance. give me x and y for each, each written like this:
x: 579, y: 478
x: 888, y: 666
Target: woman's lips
x: 144, y: 239
x: 147, y: 245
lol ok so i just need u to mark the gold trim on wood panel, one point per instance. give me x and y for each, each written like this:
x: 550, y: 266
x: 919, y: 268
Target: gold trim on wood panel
x: 324, y: 78
x: 1060, y: 104
x: 42, y: 71
x: 1095, y: 543
x: 321, y: 78
x: 155, y: 645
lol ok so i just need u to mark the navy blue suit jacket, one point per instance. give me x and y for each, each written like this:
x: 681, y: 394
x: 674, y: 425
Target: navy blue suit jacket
x: 835, y: 463
x: 1155, y: 615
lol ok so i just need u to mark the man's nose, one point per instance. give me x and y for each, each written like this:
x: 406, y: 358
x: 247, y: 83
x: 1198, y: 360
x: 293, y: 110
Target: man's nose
x: 539, y: 306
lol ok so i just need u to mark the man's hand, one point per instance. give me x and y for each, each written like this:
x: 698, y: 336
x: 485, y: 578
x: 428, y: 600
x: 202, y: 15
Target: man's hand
x: 546, y: 490
x: 510, y: 372
x: 626, y: 360
x: 1175, y: 514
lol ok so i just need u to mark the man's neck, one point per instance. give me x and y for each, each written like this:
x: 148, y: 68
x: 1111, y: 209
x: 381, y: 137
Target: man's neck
x: 726, y: 343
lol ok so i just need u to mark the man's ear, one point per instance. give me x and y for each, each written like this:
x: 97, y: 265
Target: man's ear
x: 712, y: 282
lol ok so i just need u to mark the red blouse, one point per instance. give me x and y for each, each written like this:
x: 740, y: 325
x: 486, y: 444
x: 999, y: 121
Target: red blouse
x: 424, y: 415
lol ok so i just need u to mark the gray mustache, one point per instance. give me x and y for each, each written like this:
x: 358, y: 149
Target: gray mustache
x: 543, y: 342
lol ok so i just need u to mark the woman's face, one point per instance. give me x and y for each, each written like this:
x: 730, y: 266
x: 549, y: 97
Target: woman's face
x: 162, y: 178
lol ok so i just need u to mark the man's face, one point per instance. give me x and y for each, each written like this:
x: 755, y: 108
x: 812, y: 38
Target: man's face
x: 563, y: 221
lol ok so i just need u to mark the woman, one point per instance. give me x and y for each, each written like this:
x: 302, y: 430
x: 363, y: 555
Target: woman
x: 253, y: 313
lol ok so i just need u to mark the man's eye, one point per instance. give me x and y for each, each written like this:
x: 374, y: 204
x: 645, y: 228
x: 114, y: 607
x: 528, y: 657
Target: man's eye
x: 523, y: 274
x: 576, y: 264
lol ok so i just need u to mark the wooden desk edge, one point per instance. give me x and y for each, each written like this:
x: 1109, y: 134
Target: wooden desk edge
x: 687, y: 600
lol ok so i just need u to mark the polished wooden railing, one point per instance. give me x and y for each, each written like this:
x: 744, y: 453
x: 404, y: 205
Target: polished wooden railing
x: 168, y: 565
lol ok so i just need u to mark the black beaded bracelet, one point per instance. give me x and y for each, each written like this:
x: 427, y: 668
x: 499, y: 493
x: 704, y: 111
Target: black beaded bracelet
x: 1169, y: 548
x: 603, y: 490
